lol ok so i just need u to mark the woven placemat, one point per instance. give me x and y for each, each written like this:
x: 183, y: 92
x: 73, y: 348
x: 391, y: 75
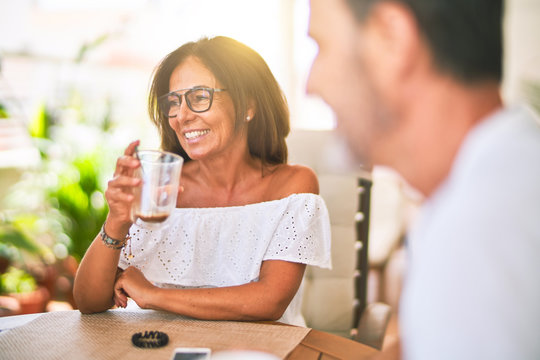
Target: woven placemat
x: 72, y: 335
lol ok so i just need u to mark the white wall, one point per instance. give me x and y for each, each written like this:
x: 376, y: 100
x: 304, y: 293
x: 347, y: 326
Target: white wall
x: 522, y: 47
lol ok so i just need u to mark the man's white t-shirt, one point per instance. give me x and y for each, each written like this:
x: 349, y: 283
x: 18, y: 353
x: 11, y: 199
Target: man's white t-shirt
x: 473, y: 285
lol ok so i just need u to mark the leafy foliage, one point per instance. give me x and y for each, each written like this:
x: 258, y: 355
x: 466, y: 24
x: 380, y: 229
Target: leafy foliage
x: 52, y: 214
x: 80, y: 200
x: 11, y: 234
x: 16, y: 280
x: 58, y: 208
x: 3, y: 112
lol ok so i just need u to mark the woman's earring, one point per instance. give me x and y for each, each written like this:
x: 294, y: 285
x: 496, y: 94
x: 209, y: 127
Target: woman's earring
x: 248, y: 118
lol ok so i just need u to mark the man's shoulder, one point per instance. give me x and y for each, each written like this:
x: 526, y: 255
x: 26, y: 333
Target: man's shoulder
x: 504, y: 146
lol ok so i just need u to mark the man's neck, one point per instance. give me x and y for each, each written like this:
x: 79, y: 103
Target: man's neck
x: 433, y: 127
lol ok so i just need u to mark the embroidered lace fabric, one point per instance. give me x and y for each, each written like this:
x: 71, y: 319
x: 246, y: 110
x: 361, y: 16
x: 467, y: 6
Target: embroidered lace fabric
x: 225, y: 246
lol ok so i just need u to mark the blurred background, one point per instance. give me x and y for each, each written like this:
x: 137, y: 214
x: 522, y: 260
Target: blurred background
x: 74, y: 76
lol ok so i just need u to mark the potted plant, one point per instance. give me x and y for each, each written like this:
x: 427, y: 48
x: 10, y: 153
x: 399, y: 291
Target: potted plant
x: 19, y: 290
x: 22, y: 287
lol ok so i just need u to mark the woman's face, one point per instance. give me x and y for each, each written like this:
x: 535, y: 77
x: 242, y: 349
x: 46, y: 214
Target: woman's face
x: 209, y: 133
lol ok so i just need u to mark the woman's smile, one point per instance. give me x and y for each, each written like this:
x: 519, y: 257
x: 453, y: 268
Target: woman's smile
x: 195, y: 135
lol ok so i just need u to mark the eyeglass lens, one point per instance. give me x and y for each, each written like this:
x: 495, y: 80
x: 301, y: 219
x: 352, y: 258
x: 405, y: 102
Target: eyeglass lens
x: 198, y: 100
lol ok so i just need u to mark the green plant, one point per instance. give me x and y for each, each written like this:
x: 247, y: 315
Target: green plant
x: 65, y: 193
x: 17, y: 280
x: 41, y: 123
x: 11, y: 235
x: 79, y: 198
x: 51, y: 215
x: 3, y: 112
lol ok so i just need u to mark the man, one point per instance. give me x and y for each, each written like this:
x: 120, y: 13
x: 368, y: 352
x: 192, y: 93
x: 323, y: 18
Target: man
x: 415, y: 86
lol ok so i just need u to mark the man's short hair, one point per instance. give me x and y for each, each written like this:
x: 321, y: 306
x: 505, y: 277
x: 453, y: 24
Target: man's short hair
x: 465, y: 36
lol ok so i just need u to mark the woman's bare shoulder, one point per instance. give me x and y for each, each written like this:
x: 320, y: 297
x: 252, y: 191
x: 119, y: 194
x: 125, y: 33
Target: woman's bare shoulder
x: 294, y: 179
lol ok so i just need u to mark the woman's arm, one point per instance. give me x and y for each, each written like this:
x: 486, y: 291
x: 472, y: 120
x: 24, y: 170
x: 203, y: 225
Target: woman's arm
x: 265, y: 299
x: 97, y: 272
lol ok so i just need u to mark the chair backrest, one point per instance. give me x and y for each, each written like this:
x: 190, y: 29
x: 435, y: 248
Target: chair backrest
x: 362, y: 206
x: 329, y: 294
x: 369, y: 320
x: 362, y: 218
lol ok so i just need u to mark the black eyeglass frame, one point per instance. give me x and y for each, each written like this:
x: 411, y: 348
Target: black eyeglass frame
x: 189, y: 91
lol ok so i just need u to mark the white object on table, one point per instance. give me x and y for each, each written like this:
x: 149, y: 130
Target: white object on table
x: 10, y: 322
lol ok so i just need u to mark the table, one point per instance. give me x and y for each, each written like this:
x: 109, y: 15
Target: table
x: 324, y: 346
x: 315, y: 345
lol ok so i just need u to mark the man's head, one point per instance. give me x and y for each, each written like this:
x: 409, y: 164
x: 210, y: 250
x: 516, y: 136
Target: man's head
x: 465, y: 36
x: 377, y: 56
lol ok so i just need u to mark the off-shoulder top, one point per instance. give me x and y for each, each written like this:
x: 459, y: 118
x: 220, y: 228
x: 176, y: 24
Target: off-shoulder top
x: 225, y: 246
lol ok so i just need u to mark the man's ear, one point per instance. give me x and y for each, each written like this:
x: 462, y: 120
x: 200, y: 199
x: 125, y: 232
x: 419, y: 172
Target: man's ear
x: 395, y: 43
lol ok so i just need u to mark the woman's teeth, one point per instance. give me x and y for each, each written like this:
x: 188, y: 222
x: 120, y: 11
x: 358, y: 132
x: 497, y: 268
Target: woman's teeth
x: 194, y: 134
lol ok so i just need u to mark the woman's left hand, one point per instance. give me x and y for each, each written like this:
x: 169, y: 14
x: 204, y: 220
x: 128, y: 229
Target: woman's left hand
x: 132, y: 283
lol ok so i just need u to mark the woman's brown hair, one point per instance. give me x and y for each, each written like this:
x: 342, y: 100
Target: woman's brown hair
x: 249, y: 82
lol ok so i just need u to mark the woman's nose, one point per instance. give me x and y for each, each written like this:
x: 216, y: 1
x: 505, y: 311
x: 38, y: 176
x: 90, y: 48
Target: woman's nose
x: 183, y: 112
x: 180, y: 116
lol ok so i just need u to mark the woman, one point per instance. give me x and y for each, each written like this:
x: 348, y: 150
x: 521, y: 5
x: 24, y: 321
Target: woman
x: 246, y: 222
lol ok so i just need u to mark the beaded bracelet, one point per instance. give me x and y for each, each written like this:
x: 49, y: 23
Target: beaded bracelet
x: 112, y: 243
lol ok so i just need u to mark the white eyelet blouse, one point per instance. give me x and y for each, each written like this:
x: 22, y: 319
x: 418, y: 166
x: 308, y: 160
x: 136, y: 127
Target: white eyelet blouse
x: 225, y: 246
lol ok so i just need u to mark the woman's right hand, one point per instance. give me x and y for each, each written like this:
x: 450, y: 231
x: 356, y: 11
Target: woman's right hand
x: 93, y: 288
x: 119, y: 192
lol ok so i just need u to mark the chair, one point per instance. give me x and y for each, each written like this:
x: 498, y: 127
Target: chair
x: 369, y: 320
x: 329, y: 295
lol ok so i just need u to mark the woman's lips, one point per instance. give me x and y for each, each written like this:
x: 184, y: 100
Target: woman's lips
x: 192, y: 135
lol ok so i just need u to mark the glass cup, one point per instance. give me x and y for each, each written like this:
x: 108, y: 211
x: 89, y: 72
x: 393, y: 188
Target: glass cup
x: 155, y: 197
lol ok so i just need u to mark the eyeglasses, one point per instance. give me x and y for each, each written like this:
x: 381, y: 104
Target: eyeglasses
x: 198, y: 99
